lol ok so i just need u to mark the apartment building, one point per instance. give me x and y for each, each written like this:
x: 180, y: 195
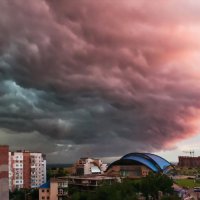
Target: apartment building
x: 4, y: 193
x: 38, y: 169
x: 188, y: 161
x: 26, y: 169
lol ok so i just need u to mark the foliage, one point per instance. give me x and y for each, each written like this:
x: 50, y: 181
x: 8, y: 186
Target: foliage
x: 34, y: 194
x: 17, y: 195
x: 153, y: 183
x: 187, y: 171
x: 171, y: 197
x: 130, y: 189
x: 24, y: 194
x: 187, y: 183
x: 116, y: 191
x: 56, y: 172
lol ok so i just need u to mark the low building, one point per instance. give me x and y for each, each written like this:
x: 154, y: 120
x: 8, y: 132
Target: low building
x: 86, y: 166
x: 4, y: 184
x: 90, y: 182
x: 137, y: 165
x: 60, y: 188
x: 44, y: 191
x: 55, y: 189
x: 188, y: 161
x: 128, y: 169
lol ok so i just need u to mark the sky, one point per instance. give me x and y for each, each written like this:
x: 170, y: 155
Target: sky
x: 100, y: 78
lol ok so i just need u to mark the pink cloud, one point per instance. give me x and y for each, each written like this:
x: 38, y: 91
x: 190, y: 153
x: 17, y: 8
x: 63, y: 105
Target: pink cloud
x: 124, y: 69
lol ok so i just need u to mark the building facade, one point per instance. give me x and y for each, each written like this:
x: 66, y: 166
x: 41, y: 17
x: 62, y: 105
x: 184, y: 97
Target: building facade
x: 89, y: 182
x: 86, y: 166
x: 187, y: 161
x: 137, y: 165
x: 56, y: 189
x: 44, y: 191
x: 63, y: 187
x: 130, y: 171
x: 26, y: 169
x: 4, y: 189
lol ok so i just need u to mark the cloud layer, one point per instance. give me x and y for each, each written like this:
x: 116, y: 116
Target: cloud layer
x: 100, y: 79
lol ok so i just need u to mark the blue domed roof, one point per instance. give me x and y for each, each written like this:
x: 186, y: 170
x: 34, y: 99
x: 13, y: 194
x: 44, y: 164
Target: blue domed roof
x: 159, y: 160
x: 152, y: 161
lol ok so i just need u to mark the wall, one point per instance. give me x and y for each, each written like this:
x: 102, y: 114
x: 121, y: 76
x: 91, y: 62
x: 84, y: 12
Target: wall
x: 27, y: 170
x: 4, y: 191
x: 53, y: 189
x: 44, y: 193
x: 186, y: 161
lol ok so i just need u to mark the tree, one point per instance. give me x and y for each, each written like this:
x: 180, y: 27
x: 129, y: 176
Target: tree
x: 171, y: 197
x: 130, y: 189
x: 23, y: 194
x: 117, y: 191
x: 56, y: 172
x: 153, y: 183
x: 17, y: 195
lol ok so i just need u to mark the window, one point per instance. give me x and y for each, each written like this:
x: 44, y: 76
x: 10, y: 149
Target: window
x: 60, y: 191
x: 43, y: 197
x: 42, y: 190
x: 47, y: 190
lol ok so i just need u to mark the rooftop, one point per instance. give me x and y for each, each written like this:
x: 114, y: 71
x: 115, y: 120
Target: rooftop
x: 92, y: 177
x: 45, y: 185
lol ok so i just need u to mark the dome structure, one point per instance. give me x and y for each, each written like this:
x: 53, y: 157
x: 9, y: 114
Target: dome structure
x: 153, y: 162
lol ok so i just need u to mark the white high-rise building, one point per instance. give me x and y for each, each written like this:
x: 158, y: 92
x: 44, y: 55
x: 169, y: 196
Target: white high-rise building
x: 26, y: 169
x: 38, y: 169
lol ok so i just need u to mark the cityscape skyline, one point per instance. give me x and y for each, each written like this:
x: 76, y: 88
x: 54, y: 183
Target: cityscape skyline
x: 100, y: 79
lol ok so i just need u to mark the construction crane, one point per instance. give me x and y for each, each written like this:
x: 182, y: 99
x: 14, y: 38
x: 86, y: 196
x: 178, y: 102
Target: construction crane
x: 191, y: 152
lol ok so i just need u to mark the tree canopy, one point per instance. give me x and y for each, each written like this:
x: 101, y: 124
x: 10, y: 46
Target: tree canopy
x: 131, y: 189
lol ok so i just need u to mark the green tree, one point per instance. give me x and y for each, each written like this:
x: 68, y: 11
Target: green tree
x: 171, y: 197
x: 56, y: 172
x: 117, y: 191
x: 153, y: 183
x: 129, y: 189
x: 23, y: 194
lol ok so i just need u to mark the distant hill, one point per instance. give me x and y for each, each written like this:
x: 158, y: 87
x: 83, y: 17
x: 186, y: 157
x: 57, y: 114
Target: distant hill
x: 58, y: 165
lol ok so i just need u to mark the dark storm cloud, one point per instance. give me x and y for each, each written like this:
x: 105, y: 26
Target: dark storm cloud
x: 101, y: 77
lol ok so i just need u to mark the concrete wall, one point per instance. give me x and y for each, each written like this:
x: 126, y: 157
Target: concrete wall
x: 53, y: 190
x: 4, y: 184
x: 26, y: 170
x: 44, y: 193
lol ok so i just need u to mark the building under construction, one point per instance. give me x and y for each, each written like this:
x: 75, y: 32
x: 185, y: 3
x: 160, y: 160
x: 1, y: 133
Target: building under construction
x: 188, y: 161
